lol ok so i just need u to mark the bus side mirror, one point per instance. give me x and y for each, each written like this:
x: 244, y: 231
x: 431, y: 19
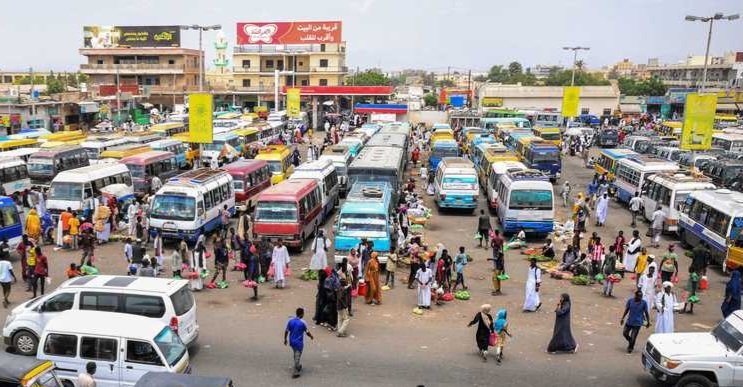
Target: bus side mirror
x: 201, y: 212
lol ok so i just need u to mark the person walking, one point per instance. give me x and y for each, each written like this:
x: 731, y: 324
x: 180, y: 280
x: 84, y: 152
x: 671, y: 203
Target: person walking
x: 371, y: 276
x: 74, y: 224
x: 669, y: 265
x: 637, y: 309
x: 499, y: 268
x: 343, y: 302
x: 484, y: 321
x: 533, y: 282
x: 295, y: 330
x: 33, y: 225
x: 664, y: 304
x: 85, y: 379
x: 731, y: 302
x: 647, y: 286
x: 500, y: 328
x: 460, y: 261
x: 635, y: 205
x: 562, y: 335
x: 692, y: 287
x: 390, y: 268
x: 7, y: 277
x: 565, y: 193
x: 280, y: 261
x: 424, y: 278
x: 221, y: 260
x: 41, y: 272
x: 483, y: 228
x: 608, y: 268
x: 320, y: 247
x: 632, y: 252
x: 700, y: 257
x: 657, y: 226
x: 602, y: 210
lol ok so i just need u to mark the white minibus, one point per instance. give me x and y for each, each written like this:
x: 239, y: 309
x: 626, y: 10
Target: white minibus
x: 324, y: 172
x: 669, y: 191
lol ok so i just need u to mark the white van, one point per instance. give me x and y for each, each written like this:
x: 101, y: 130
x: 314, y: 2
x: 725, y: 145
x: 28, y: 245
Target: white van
x: 340, y: 155
x: 324, y: 172
x: 455, y: 184
x: 168, y: 301
x: 123, y: 347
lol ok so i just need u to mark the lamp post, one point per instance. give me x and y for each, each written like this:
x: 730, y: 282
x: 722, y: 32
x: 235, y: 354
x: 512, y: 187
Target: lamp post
x: 201, y: 29
x: 575, y: 59
x: 710, y: 20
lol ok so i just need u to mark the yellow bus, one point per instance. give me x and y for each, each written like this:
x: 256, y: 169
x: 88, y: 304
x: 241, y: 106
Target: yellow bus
x: 521, y: 145
x: 168, y: 129
x: 442, y: 134
x: 672, y: 128
x: 607, y: 160
x: 65, y: 136
x: 193, y: 149
x: 54, y: 144
x: 120, y: 151
x: 485, y: 155
x: 552, y: 135
x: 17, y: 144
x: 279, y: 158
x: 248, y: 137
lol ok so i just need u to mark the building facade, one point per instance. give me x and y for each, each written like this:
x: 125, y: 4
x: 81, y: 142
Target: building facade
x: 598, y: 100
x: 724, y: 72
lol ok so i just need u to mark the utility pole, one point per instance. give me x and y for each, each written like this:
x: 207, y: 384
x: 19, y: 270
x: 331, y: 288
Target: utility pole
x: 469, y: 87
x: 575, y: 61
x: 31, y: 93
x: 118, y: 97
x: 710, y: 20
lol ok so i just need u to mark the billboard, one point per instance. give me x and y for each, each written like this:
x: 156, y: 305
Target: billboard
x: 131, y: 36
x: 699, y: 119
x: 289, y: 32
x: 293, y: 100
x: 200, y: 112
x: 570, y: 101
x: 491, y: 102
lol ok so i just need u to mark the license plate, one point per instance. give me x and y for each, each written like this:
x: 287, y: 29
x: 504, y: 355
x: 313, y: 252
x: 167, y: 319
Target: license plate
x: 169, y: 226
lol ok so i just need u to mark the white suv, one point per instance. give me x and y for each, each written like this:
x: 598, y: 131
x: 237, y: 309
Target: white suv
x: 167, y: 300
x: 698, y: 359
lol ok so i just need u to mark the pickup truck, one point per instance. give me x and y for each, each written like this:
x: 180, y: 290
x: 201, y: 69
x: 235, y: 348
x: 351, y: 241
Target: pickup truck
x: 706, y: 359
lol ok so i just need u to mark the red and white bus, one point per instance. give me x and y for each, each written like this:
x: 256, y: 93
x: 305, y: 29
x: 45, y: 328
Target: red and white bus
x: 144, y: 166
x: 249, y: 178
x: 290, y: 210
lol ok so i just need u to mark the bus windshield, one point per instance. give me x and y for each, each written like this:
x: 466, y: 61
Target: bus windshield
x: 41, y: 167
x: 531, y: 200
x: 363, y: 222
x: 215, y: 146
x: 553, y: 156
x: 444, y: 152
x: 370, y: 175
x: 66, y: 191
x: 9, y: 216
x: 284, y: 212
x: 173, y: 207
x: 550, y: 136
x: 275, y: 167
x: 136, y: 170
x: 459, y: 182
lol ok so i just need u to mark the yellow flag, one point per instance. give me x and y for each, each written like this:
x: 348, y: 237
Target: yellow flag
x: 570, y: 101
x: 292, y: 102
x: 699, y: 119
x: 200, y: 111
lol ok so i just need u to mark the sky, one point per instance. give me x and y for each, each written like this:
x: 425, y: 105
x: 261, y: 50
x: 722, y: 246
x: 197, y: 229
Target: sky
x: 397, y: 34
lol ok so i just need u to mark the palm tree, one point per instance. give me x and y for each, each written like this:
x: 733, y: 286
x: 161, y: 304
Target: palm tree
x: 580, y: 65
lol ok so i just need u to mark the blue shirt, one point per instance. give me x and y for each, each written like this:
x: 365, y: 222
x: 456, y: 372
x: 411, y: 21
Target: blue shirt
x: 296, y: 328
x: 636, y: 312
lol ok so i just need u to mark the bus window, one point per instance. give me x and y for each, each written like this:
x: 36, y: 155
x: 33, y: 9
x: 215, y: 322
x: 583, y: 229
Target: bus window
x: 9, y: 216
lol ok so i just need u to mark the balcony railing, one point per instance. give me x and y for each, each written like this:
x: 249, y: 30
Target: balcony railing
x: 138, y: 67
x: 305, y: 69
x: 289, y: 49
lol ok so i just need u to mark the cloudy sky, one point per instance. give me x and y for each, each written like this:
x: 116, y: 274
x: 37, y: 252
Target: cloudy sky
x: 397, y: 34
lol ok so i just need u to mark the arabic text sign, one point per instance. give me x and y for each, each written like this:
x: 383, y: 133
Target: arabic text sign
x: 131, y: 36
x: 200, y: 111
x: 289, y: 32
x: 570, y: 101
x: 699, y: 119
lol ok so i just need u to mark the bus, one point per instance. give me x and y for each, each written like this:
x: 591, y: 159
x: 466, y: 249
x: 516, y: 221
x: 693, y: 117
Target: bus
x: 485, y: 155
x: 715, y: 217
x: 497, y: 169
x: 18, y: 144
x: 544, y: 156
x: 13, y: 176
x: 75, y: 188
x: 441, y: 149
x: 279, y: 158
x: 11, y: 227
x: 144, y: 166
x: 216, y: 149
x: 632, y: 172
x: 327, y: 178
x: 118, y: 152
x: 525, y: 200
x: 481, y: 139
x: 249, y: 137
x: 249, y: 178
x: 290, y: 210
x: 22, y: 153
x: 192, y: 149
x: 441, y: 134
x: 547, y: 120
x: 370, y: 128
x: 396, y: 127
x: 503, y: 113
x: 493, y: 124
x: 271, y: 131
x: 64, y: 136
x: 669, y: 191
x: 725, y: 173
x: 396, y: 140
x: 176, y: 147
x: 189, y: 205
x: 96, y: 145
x: 365, y: 214
x: 729, y: 142
x: 607, y: 137
x: 379, y: 164
x: 511, y: 138
x: 551, y: 134
x: 608, y: 158
x: 144, y: 137
x: 672, y: 128
x: 725, y: 120
x: 29, y: 133
x: 354, y: 145
x: 47, y: 163
x: 341, y: 158
x: 455, y: 184
x: 167, y: 129
x: 522, y: 143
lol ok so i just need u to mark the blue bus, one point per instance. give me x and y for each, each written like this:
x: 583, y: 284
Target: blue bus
x: 441, y: 149
x: 525, y: 199
x: 365, y: 214
x: 10, y: 222
x: 544, y: 156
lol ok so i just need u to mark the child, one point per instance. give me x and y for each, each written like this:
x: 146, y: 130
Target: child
x: 424, y: 173
x: 692, y: 287
x: 391, y: 267
x: 609, y: 267
x: 72, y: 271
x: 128, y: 253
x: 460, y: 262
x: 500, y: 328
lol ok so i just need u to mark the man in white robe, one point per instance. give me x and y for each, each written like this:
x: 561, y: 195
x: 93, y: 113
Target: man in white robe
x: 424, y: 278
x: 280, y: 260
x: 131, y: 216
x: 602, y: 210
x: 647, y: 286
x: 533, y: 280
x: 320, y: 248
x: 634, y: 247
x: 664, y: 303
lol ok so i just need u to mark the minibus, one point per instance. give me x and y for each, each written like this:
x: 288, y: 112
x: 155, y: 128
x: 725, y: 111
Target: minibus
x: 144, y: 166
x: 497, y: 169
x: 551, y: 134
x: 525, y: 200
x: 608, y: 158
x: 249, y: 178
x: 176, y: 147
x: 455, y: 184
x: 669, y: 191
x: 279, y: 158
x: 216, y: 150
x: 75, y: 188
x: 323, y: 171
x: 729, y: 142
x: 365, y: 214
x: 167, y: 129
x: 379, y: 164
x: 544, y: 156
x: 441, y: 149
x: 354, y: 145
x: 290, y: 210
x: 340, y: 155
x: 485, y: 155
x: 632, y: 172
x: 14, y: 176
x: 96, y: 145
x: 22, y: 153
x: 47, y: 163
x: 118, y: 152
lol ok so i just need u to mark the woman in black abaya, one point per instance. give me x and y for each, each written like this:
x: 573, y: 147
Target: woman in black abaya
x: 562, y: 337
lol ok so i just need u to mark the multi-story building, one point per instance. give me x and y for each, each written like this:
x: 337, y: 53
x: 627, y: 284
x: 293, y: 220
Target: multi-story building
x: 627, y: 69
x: 722, y: 72
x: 166, y: 74
x: 544, y: 71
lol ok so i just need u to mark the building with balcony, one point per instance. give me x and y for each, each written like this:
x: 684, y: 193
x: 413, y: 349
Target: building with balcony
x: 165, y: 75
x: 724, y: 72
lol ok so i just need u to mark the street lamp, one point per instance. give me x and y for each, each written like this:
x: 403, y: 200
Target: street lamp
x: 201, y: 29
x: 710, y: 20
x: 575, y: 59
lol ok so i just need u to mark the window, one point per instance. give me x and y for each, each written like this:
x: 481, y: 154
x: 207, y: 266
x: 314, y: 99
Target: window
x: 269, y: 63
x: 104, y: 302
x: 322, y: 47
x: 147, y: 306
x: 99, y: 61
x: 141, y: 352
x: 61, y: 345
x: 300, y: 64
x: 246, y: 62
x: 208, y: 200
x: 304, y: 82
x: 171, y: 61
x: 96, y: 348
x: 607, y: 111
x: 182, y: 301
x: 323, y: 63
x: 59, y: 303
x: 280, y: 64
x: 323, y: 82
x: 584, y: 111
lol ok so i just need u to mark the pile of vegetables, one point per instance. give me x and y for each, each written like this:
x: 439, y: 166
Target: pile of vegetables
x: 308, y: 275
x: 581, y: 280
x: 540, y: 258
x: 462, y: 295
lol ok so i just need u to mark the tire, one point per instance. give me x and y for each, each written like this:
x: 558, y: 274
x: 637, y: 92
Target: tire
x: 25, y: 343
x: 67, y: 383
x: 695, y: 380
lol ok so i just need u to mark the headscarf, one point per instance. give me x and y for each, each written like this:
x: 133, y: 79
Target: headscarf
x: 667, y: 284
x: 485, y: 308
x: 33, y: 224
x: 500, y: 320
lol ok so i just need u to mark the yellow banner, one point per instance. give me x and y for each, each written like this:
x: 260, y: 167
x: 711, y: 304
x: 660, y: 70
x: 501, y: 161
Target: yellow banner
x: 492, y: 102
x: 200, y: 112
x: 292, y: 102
x: 570, y: 101
x: 699, y: 119
x: 5, y: 120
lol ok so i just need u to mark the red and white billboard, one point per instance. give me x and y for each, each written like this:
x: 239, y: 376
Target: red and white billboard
x: 289, y: 32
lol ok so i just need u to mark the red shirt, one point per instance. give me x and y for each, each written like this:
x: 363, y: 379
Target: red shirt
x: 42, y: 266
x: 598, y: 252
x: 619, y: 245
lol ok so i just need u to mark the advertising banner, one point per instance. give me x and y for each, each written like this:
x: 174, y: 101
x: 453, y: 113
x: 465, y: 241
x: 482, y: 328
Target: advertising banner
x: 131, y: 36
x: 570, y: 101
x: 492, y: 102
x: 292, y: 102
x: 289, y: 32
x: 699, y: 119
x: 200, y: 112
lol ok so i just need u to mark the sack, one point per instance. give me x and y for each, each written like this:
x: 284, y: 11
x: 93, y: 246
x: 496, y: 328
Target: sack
x: 447, y: 297
x: 493, y: 339
x: 362, y: 289
x: 211, y: 285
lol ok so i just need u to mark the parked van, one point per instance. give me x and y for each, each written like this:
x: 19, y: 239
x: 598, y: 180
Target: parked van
x: 167, y: 301
x: 13, y: 176
x: 669, y: 191
x: 365, y: 214
x: 123, y: 347
x: 279, y: 158
x: 729, y: 142
x: 96, y: 145
x: 455, y: 184
x: 441, y: 149
x: 118, y: 152
x: 525, y: 200
x: 22, y: 153
x: 632, y: 172
x: 74, y: 188
x: 176, y: 147
x: 144, y: 166
x: 340, y: 155
x: 498, y: 169
x: 323, y: 171
x: 290, y: 210
x: 249, y: 178
x: 167, y: 129
x: 47, y: 163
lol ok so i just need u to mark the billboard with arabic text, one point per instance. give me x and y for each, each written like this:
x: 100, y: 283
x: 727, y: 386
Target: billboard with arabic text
x: 131, y: 36
x: 311, y: 32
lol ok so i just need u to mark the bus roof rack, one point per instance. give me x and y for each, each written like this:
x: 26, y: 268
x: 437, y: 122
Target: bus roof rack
x: 528, y: 174
x: 197, y: 176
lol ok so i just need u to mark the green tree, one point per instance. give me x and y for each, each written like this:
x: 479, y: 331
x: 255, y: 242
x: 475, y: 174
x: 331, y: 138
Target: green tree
x: 480, y: 78
x: 647, y: 87
x: 368, y: 78
x: 515, y: 69
x: 582, y: 78
x: 430, y: 99
x: 445, y: 83
x: 498, y: 74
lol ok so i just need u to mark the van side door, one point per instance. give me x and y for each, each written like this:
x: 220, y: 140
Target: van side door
x: 139, y: 358
x: 54, y: 305
x: 104, y: 352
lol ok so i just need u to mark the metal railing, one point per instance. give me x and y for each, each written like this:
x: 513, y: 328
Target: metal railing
x: 303, y: 69
x: 136, y: 67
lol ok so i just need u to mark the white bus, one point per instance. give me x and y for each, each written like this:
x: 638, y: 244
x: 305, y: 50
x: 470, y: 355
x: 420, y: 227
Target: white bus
x: 729, y: 142
x: 21, y: 153
x: 75, y: 188
x: 341, y: 157
x: 95, y: 146
x: 189, y: 204
x: 327, y: 178
x: 525, y: 199
x: 631, y: 173
x: 498, y: 169
x: 455, y: 184
x: 668, y: 192
x: 13, y: 176
x: 715, y: 217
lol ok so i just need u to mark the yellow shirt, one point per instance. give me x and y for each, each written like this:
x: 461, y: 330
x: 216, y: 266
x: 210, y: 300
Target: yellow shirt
x: 642, y: 263
x: 74, y: 224
x: 31, y: 256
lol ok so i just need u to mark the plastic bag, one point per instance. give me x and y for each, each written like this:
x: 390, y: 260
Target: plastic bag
x: 447, y: 297
x: 261, y: 279
x: 477, y: 236
x: 250, y: 284
x: 48, y: 280
x: 362, y: 289
x: 503, y: 277
x: 241, y: 266
x: 493, y: 339
x: 271, y: 271
x: 288, y: 272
